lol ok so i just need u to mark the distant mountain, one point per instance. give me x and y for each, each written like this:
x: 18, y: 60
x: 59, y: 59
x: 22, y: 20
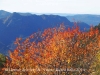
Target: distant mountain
x: 89, y: 19
x: 25, y: 14
x: 4, y: 14
x: 16, y: 25
x: 83, y: 26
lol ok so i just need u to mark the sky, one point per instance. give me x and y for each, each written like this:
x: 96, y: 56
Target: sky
x: 52, y: 6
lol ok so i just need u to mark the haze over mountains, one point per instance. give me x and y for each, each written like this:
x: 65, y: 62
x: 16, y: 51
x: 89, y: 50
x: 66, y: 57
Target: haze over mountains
x: 87, y: 18
x: 90, y: 19
x: 13, y: 25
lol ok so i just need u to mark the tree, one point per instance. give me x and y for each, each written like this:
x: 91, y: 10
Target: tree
x: 55, y: 51
x: 96, y: 64
x: 97, y: 26
x: 2, y: 62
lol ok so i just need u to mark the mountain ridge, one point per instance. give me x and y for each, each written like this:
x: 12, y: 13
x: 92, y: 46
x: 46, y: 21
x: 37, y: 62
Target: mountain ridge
x: 16, y: 25
x: 87, y: 18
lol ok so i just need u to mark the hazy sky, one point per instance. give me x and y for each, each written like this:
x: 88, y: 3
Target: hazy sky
x: 52, y: 6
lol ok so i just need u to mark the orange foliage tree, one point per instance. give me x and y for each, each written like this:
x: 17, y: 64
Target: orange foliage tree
x: 56, y: 51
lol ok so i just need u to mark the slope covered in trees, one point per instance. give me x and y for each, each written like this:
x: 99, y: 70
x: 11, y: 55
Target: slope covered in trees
x: 2, y: 62
x: 98, y: 26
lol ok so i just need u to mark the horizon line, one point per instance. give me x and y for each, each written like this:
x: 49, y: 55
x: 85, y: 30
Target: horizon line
x: 55, y: 13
